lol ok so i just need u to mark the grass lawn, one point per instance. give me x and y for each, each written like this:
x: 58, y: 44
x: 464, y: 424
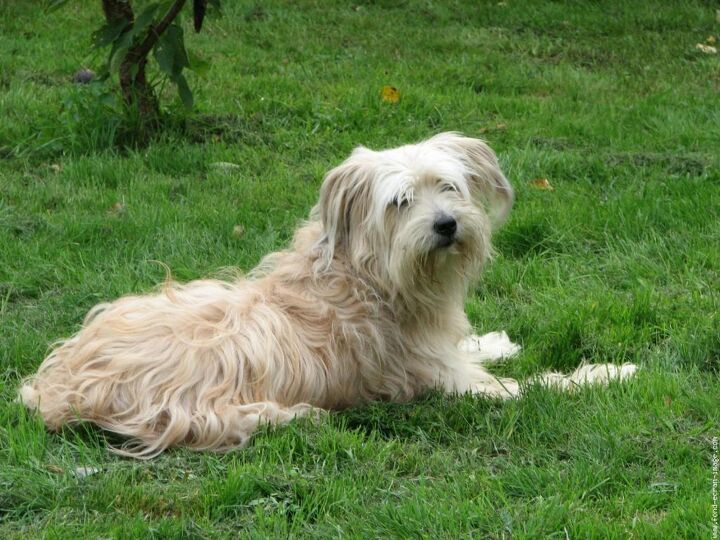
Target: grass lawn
x: 611, y: 102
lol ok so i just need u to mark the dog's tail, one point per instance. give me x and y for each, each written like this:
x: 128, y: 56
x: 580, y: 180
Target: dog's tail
x: 49, y: 391
x: 28, y: 395
x: 158, y: 426
x: 153, y: 408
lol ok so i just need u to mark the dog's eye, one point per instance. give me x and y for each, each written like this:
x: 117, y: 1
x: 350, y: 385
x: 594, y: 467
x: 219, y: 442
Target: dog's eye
x: 447, y: 187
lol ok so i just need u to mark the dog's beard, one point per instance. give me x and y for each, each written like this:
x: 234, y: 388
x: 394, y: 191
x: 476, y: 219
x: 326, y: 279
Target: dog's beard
x: 427, y: 271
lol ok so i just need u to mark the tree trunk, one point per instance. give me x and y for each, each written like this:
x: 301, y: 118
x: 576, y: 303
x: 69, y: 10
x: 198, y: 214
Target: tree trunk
x: 136, y: 90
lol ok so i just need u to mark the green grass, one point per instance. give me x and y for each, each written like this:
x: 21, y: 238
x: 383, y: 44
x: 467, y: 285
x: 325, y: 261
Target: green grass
x: 611, y: 102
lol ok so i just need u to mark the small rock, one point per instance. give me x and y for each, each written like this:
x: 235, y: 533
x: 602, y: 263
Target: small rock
x: 83, y: 76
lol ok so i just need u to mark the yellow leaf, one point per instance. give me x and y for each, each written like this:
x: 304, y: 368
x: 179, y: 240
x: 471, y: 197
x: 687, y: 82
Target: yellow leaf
x: 497, y: 127
x: 711, y: 40
x: 542, y: 183
x: 117, y: 209
x: 390, y: 94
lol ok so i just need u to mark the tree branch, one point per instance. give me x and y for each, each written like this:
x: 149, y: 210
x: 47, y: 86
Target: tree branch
x: 143, y: 48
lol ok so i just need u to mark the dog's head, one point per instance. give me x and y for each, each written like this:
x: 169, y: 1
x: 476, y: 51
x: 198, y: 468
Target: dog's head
x: 416, y: 217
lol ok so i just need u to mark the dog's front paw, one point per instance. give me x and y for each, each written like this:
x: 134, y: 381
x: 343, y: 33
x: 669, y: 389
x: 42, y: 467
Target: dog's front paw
x: 490, y: 347
x: 602, y: 373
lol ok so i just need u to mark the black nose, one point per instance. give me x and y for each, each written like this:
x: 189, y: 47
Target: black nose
x: 445, y: 226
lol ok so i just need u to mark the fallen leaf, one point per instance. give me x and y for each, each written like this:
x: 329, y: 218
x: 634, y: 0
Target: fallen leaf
x: 83, y: 472
x: 707, y: 49
x: 224, y: 166
x: 711, y: 40
x: 496, y: 127
x: 117, y: 209
x: 238, y: 231
x: 390, y: 94
x: 54, y: 469
x: 542, y: 183
x: 55, y: 167
x: 663, y: 487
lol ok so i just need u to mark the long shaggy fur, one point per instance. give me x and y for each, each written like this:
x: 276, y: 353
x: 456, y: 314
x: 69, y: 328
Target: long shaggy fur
x: 367, y: 304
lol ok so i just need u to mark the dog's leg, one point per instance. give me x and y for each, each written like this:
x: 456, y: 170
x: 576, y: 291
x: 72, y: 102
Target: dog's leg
x: 501, y: 387
x: 468, y: 375
x: 243, y: 420
x: 475, y: 379
x: 490, y: 347
x: 220, y: 429
x: 588, y: 374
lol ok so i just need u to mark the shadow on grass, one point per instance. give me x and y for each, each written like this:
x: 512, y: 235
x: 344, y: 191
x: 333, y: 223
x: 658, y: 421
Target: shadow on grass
x: 525, y: 239
x: 92, y: 119
x: 434, y: 417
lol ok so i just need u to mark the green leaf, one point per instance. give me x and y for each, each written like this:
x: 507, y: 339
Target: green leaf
x: 165, y: 57
x: 124, y: 40
x: 170, y: 51
x: 166, y: 5
x: 108, y: 33
x: 197, y: 64
x: 184, y: 91
x: 144, y: 19
x: 116, y: 57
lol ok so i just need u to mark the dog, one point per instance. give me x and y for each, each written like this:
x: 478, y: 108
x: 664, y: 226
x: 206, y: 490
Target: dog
x: 366, y: 304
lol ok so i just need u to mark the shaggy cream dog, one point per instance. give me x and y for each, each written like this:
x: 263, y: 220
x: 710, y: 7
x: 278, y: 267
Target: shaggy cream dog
x: 367, y: 304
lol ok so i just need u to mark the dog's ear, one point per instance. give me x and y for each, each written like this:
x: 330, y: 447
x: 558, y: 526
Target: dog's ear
x: 344, y: 197
x: 483, y: 171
